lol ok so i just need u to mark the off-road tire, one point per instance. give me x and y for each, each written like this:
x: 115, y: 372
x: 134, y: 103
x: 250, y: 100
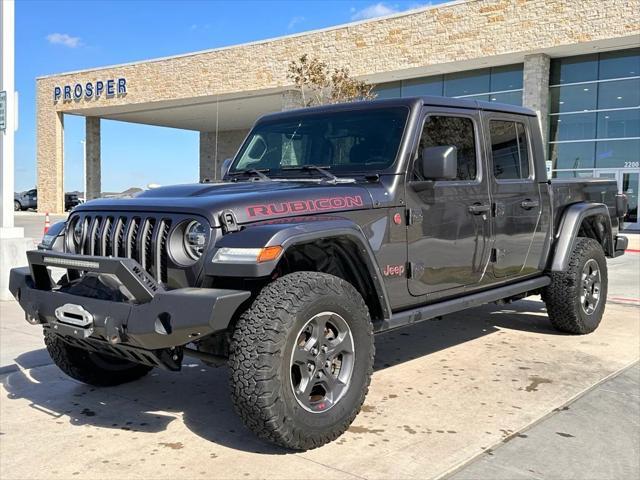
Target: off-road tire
x: 562, y: 296
x: 261, y: 349
x: 90, y: 367
x: 17, y: 206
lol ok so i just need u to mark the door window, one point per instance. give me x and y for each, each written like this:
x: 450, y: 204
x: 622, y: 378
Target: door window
x: 455, y: 131
x: 509, y: 150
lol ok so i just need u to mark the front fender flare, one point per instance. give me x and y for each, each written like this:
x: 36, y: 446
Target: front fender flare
x: 569, y: 228
x: 290, y: 233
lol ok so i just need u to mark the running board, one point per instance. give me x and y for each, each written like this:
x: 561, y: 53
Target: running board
x: 434, y: 310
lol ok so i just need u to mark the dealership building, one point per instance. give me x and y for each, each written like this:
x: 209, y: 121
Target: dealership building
x: 577, y: 63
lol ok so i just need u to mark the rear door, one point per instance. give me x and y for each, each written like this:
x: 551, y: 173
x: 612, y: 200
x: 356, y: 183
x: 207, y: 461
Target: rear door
x: 449, y: 235
x: 515, y: 193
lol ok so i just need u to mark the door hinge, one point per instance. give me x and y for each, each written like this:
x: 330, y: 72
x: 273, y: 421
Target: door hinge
x: 414, y: 216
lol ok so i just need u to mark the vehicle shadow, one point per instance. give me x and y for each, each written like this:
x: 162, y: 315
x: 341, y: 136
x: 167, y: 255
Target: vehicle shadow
x: 199, y: 394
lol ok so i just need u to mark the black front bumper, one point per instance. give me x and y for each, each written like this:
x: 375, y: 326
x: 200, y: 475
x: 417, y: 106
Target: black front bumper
x: 148, y: 328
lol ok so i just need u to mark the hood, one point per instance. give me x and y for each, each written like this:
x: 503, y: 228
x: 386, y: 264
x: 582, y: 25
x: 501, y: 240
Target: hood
x: 249, y: 201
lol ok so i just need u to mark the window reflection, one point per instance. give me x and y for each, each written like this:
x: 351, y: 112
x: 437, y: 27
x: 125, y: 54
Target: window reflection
x: 574, y: 98
x: 617, y: 153
x: 573, y: 155
x: 581, y: 126
x: 619, y: 124
x: 618, y: 94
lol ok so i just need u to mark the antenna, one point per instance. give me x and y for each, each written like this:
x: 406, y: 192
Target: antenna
x: 215, y: 156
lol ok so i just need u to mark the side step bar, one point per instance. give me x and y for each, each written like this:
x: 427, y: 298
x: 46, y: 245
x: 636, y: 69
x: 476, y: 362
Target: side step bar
x: 434, y: 310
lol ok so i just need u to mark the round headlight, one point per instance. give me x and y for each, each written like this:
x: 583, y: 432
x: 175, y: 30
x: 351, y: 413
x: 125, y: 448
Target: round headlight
x: 195, y: 239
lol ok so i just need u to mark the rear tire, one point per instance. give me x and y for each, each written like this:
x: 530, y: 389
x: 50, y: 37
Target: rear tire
x: 576, y: 298
x: 90, y: 367
x: 301, y: 359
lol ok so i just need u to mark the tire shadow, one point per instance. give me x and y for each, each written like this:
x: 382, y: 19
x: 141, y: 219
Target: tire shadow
x: 199, y: 395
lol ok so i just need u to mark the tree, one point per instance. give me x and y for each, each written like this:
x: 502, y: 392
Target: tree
x: 319, y: 85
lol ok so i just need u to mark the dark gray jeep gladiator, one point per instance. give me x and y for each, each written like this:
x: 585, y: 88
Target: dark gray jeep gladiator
x: 331, y: 224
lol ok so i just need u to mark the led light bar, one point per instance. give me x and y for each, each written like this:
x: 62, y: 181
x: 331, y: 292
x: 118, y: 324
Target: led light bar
x: 70, y: 263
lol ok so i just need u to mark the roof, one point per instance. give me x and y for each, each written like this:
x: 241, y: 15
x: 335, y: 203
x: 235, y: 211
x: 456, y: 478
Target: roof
x: 410, y: 102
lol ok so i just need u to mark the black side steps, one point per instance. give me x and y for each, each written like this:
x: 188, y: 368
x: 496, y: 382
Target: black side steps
x: 438, y: 309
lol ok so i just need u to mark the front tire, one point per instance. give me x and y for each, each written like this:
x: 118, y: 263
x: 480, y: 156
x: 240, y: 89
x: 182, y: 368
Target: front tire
x: 90, y: 367
x: 17, y: 207
x: 576, y: 298
x: 301, y: 360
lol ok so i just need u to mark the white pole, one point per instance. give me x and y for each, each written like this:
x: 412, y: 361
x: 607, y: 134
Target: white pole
x: 7, y: 136
x: 84, y: 168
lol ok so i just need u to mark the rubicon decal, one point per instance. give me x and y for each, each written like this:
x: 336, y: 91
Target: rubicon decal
x: 305, y: 206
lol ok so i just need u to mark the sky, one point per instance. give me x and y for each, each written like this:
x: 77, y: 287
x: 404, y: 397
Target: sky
x: 59, y: 36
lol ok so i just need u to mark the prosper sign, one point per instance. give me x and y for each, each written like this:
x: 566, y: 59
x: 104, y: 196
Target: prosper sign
x: 109, y: 88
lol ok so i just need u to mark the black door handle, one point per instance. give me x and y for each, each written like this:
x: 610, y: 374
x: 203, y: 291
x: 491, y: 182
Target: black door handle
x: 478, y: 208
x: 528, y: 204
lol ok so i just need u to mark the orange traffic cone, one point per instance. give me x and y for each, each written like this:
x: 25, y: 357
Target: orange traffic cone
x: 47, y: 223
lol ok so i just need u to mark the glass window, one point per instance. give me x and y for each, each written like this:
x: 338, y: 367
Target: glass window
x: 455, y: 131
x: 511, y: 98
x: 577, y: 126
x: 623, y: 93
x: 387, y: 90
x: 482, y: 97
x: 508, y: 77
x: 582, y: 68
x: 467, y: 83
x: 617, y: 153
x: 620, y: 64
x: 422, y: 86
x: 619, y: 124
x: 356, y: 140
x: 573, y: 174
x: 573, y: 155
x: 509, y: 150
x: 573, y: 98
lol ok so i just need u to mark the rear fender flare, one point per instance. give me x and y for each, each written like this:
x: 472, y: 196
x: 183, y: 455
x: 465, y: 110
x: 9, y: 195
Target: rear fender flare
x: 569, y: 228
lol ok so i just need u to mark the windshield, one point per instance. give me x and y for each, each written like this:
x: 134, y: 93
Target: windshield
x: 349, y: 141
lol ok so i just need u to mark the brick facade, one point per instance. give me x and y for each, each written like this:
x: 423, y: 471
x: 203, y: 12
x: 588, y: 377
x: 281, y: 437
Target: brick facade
x: 459, y: 31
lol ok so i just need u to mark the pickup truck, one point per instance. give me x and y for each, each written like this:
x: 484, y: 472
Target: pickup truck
x: 330, y: 224
x: 29, y: 199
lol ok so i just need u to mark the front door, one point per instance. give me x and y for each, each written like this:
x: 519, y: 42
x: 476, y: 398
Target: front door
x: 516, y: 195
x: 449, y: 221
x: 629, y: 184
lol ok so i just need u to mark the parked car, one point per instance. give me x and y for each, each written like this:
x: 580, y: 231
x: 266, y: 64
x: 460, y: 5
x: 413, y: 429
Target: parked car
x: 25, y: 200
x: 331, y: 224
x: 29, y: 199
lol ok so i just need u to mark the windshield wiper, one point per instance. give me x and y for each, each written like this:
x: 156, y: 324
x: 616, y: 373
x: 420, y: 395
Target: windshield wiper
x: 323, y: 170
x: 252, y: 171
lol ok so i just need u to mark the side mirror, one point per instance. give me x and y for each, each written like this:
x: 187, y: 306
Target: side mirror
x: 224, y: 168
x: 440, y: 163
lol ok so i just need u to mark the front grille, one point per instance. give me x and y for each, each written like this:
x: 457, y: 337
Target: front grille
x: 142, y: 238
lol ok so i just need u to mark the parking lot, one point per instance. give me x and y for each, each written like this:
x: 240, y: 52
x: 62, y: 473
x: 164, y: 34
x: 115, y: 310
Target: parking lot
x: 445, y: 393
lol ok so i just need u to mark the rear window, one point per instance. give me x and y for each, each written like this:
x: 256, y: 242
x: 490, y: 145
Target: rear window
x: 509, y: 150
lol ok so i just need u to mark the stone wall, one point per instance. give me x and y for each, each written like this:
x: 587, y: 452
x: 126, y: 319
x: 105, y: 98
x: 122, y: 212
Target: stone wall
x: 441, y: 34
x: 227, y: 146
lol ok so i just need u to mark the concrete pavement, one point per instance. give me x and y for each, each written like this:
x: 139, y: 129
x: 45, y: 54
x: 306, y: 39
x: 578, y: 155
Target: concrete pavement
x: 596, y: 437
x: 443, y: 393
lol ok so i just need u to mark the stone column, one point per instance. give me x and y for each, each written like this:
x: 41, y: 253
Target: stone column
x: 213, y: 153
x: 291, y: 99
x: 93, y: 187
x: 50, y: 158
x: 536, y: 88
